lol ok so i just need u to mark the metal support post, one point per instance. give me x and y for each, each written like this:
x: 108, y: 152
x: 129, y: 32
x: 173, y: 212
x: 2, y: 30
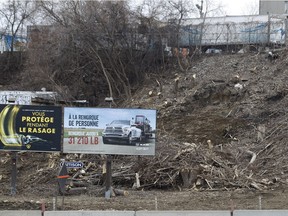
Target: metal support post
x: 13, y: 173
x: 108, y: 189
x: 108, y: 177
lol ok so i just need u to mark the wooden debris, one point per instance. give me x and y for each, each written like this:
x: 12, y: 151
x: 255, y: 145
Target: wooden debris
x: 253, y: 158
x: 261, y: 132
x: 136, y: 184
x: 118, y: 192
x: 160, y: 86
x: 189, y: 177
x: 255, y: 185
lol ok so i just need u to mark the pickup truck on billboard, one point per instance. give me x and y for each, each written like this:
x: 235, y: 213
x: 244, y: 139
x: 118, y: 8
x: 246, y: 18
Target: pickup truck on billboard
x: 127, y: 131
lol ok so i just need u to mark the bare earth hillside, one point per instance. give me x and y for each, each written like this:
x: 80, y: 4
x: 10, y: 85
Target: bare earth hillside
x: 221, y: 142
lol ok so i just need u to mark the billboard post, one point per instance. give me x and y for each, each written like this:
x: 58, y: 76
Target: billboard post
x: 13, y: 173
x: 108, y: 183
x: 108, y: 190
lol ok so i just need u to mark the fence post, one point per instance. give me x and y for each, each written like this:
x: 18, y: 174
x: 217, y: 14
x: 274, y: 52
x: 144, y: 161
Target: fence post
x: 269, y: 29
x: 286, y: 29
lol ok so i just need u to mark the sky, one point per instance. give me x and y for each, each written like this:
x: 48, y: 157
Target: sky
x: 240, y: 7
x: 229, y: 7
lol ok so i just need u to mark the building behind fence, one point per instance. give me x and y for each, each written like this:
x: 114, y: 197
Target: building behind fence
x: 273, y: 7
x: 6, y: 40
x: 233, y: 30
x: 209, y: 31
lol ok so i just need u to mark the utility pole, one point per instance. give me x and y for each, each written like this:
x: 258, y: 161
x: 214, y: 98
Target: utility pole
x: 200, y: 8
x: 201, y: 11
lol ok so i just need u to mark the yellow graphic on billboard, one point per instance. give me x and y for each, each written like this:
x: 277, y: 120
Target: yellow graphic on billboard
x: 30, y: 128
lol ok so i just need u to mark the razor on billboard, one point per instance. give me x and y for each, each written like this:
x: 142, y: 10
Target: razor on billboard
x: 30, y: 128
x: 109, y: 131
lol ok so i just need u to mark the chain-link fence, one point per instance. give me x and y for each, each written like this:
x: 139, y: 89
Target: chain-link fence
x: 262, y: 29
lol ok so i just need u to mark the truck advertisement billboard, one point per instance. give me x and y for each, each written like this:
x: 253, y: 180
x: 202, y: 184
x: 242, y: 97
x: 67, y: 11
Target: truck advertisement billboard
x: 109, y: 131
x: 30, y: 128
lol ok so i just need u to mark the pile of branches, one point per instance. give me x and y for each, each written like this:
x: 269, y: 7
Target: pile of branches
x: 199, y: 166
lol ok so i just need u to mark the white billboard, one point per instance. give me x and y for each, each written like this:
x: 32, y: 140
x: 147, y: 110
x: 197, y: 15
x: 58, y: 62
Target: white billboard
x: 109, y: 131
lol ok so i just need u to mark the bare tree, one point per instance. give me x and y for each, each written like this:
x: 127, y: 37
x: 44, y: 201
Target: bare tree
x: 251, y: 8
x: 15, y: 14
x: 177, y: 11
x: 101, y: 42
x: 152, y: 34
x: 201, y: 9
x: 208, y: 8
x: 104, y: 47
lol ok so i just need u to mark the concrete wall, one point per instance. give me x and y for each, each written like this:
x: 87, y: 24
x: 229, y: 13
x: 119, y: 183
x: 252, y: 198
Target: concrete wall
x: 260, y: 213
x: 148, y: 213
x: 89, y: 213
x: 183, y: 213
x: 18, y: 213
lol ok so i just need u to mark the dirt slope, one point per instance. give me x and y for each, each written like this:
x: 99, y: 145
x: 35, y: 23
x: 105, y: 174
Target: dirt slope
x: 222, y: 129
x: 233, y: 111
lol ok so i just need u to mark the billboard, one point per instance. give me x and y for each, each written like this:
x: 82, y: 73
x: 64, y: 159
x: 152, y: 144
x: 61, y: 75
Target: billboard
x: 30, y: 128
x: 109, y: 131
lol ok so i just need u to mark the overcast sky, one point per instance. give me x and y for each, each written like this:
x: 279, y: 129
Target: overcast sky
x: 240, y: 7
x: 229, y: 7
